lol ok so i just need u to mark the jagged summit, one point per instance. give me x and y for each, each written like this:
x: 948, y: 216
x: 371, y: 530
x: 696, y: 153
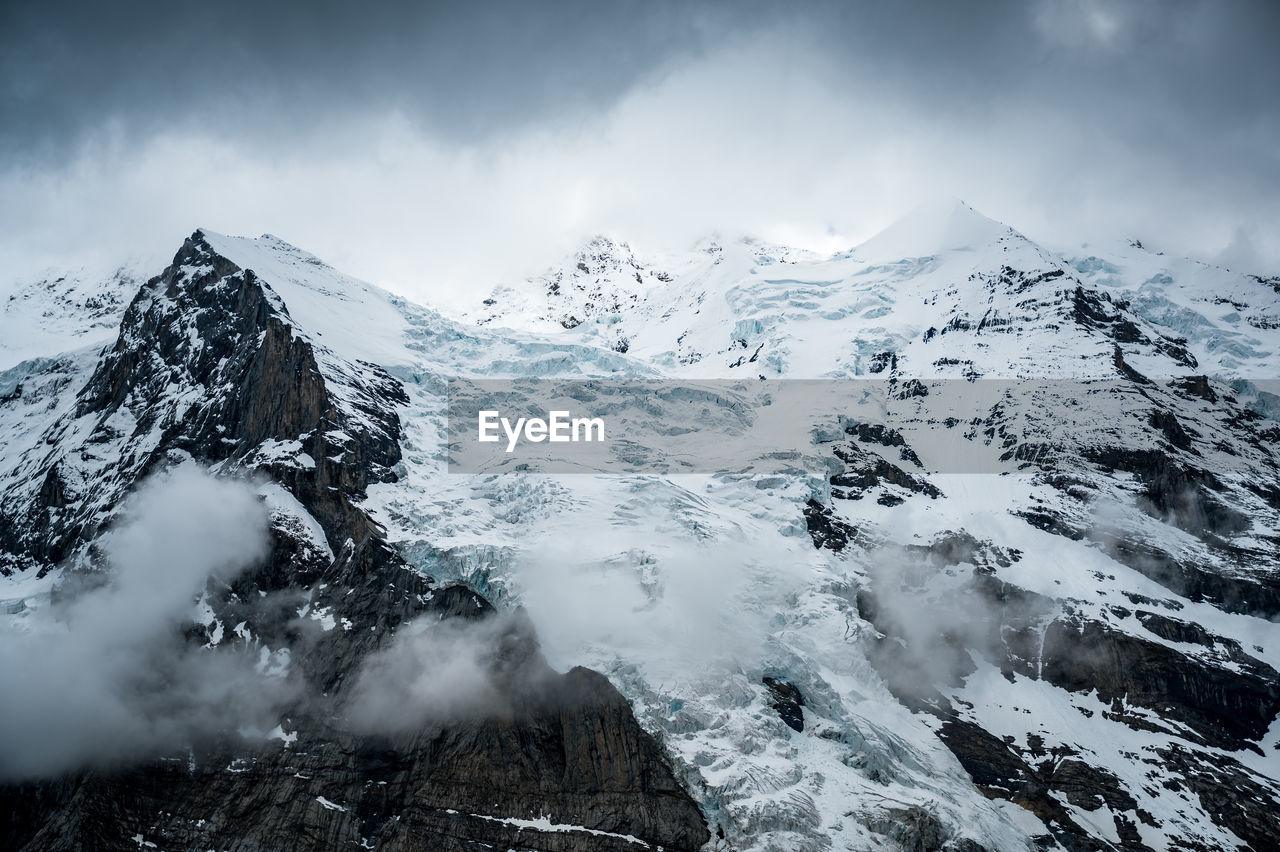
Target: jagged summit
x: 944, y: 277
x: 603, y: 276
x: 341, y: 312
x: 212, y: 365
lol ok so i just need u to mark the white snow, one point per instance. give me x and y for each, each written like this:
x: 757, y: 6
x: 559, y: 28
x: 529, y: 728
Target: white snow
x: 61, y: 310
x: 285, y: 508
x: 544, y: 823
x: 278, y: 733
x: 328, y: 805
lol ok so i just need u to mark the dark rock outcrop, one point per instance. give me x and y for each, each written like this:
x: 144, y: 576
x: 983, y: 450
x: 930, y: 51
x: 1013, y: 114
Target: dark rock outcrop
x: 1179, y: 492
x: 1035, y: 782
x: 1221, y: 784
x: 935, y: 622
x: 787, y: 701
x: 1247, y: 595
x: 825, y: 528
x: 864, y: 471
x: 1228, y: 704
x: 207, y: 364
x: 568, y: 750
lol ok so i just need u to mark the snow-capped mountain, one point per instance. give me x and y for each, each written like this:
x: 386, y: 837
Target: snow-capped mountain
x: 744, y: 308
x: 1075, y: 650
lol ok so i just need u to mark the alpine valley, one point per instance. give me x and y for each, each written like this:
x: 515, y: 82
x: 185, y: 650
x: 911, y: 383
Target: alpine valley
x: 1078, y: 650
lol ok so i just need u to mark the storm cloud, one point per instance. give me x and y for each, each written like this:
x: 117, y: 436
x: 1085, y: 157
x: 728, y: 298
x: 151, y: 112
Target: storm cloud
x: 437, y: 148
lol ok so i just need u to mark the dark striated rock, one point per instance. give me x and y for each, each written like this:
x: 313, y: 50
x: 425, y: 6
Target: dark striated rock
x: 570, y: 751
x: 999, y: 771
x: 865, y: 471
x: 1039, y: 780
x: 1227, y: 706
x: 825, y: 528
x: 1197, y: 386
x: 1123, y: 368
x: 1176, y: 630
x: 912, y: 388
x: 1213, y: 694
x: 1222, y: 785
x: 875, y: 433
x: 1169, y: 426
x: 787, y: 700
x: 1247, y: 595
x: 208, y: 325
x: 1096, y: 309
x: 882, y: 361
x: 1182, y: 494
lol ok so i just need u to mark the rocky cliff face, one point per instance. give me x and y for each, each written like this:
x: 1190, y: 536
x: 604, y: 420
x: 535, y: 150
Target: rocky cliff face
x: 209, y: 365
x: 565, y: 745
x: 206, y: 365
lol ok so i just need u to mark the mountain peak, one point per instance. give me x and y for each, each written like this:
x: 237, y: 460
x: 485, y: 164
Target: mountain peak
x: 933, y: 227
x: 344, y: 312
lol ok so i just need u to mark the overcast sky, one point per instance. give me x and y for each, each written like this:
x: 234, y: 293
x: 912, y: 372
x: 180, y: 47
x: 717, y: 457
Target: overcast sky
x: 437, y: 149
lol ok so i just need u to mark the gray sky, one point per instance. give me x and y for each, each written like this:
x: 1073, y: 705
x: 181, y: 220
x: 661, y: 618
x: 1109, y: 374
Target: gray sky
x: 435, y: 149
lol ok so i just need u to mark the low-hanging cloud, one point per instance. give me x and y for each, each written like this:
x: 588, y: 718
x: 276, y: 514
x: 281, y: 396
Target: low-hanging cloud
x: 617, y: 592
x: 438, y: 671
x: 104, y: 675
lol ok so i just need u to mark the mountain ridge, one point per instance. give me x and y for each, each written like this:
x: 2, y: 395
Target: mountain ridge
x: 687, y: 319
x: 1096, y: 666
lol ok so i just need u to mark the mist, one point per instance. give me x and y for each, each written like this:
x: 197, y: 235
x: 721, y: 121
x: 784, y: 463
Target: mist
x: 942, y: 610
x: 104, y: 675
x: 683, y: 603
x: 438, y: 671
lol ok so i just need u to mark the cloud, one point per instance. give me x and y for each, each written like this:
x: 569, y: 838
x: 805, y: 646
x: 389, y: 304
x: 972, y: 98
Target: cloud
x: 466, y: 71
x: 109, y: 677
x: 437, y: 150
x: 1241, y: 253
x: 437, y: 671
x: 1082, y: 23
x: 624, y: 592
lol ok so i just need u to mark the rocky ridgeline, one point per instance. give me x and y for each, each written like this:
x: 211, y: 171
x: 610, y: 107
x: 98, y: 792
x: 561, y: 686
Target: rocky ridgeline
x: 208, y: 365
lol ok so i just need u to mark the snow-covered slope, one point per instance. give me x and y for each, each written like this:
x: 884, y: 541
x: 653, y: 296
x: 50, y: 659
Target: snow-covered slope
x: 1077, y: 650
x: 62, y: 311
